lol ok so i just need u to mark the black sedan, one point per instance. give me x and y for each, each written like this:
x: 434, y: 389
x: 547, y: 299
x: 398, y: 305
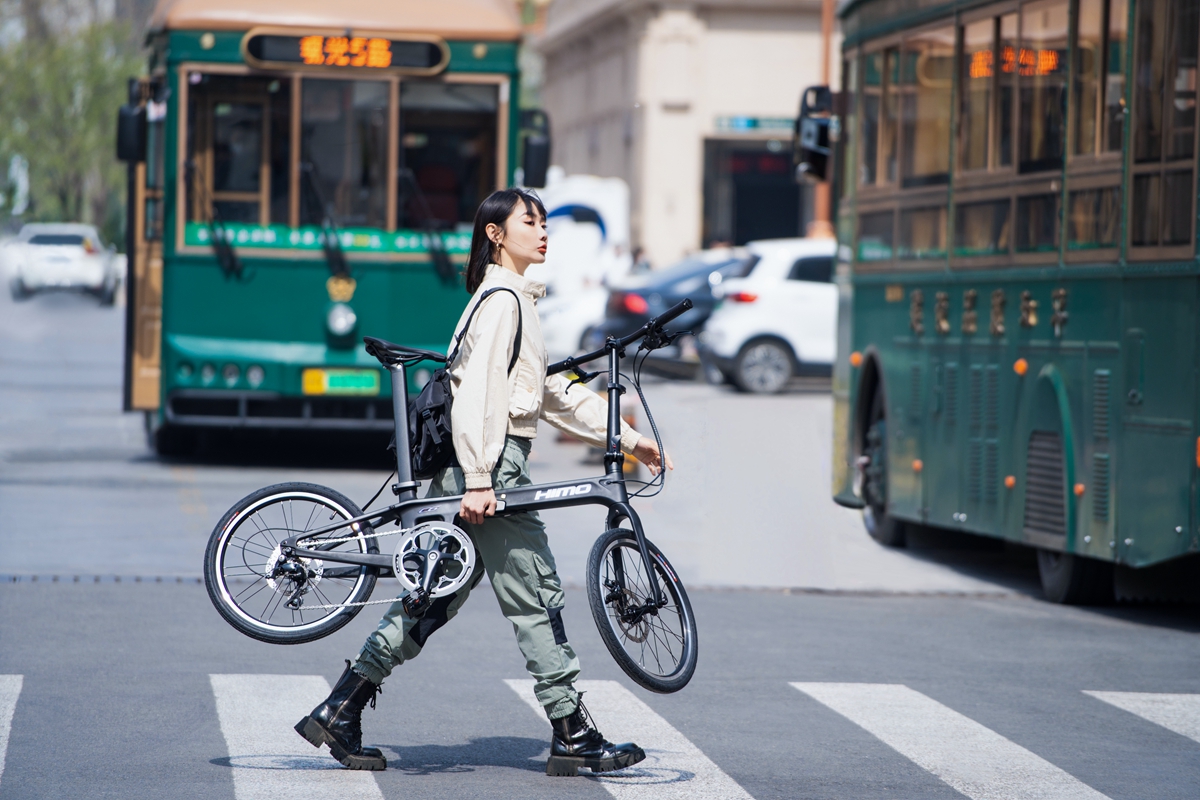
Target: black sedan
x: 646, y: 296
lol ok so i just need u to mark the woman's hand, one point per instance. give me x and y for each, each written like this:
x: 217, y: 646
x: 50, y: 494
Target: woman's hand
x: 646, y: 451
x: 478, y: 504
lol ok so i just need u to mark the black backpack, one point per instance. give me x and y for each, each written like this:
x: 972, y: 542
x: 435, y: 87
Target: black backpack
x: 429, y: 432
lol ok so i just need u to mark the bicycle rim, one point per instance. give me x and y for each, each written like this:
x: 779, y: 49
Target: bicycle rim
x: 656, y: 648
x: 248, y: 551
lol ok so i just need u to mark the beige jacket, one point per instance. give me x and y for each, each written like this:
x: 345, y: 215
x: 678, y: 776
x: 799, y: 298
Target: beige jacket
x: 490, y: 403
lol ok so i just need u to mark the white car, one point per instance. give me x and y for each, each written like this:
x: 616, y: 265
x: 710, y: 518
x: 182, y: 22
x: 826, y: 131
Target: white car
x: 778, y: 320
x: 48, y: 256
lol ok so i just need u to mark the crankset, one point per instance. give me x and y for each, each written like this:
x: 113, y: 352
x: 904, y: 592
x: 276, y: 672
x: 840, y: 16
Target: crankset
x: 434, y: 559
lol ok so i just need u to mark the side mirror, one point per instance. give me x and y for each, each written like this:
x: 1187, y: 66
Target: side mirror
x: 535, y: 160
x: 131, y: 133
x: 814, y: 132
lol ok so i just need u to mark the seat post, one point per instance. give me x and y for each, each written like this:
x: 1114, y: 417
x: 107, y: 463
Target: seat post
x: 406, y: 487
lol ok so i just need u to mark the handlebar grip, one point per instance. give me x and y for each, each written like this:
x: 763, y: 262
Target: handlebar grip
x: 672, y: 312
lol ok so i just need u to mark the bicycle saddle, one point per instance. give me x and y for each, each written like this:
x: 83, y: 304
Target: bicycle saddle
x: 390, y: 353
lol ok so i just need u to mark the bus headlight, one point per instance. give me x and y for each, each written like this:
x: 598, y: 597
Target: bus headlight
x: 255, y: 376
x: 341, y: 319
x: 230, y: 373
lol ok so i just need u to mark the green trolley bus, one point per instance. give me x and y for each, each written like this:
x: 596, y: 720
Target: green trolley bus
x: 1020, y: 304
x: 302, y: 173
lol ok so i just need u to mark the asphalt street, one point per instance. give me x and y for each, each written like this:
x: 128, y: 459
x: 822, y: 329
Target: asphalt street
x: 829, y: 667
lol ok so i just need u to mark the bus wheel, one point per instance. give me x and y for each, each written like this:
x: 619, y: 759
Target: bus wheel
x: 1075, y: 580
x: 882, y: 527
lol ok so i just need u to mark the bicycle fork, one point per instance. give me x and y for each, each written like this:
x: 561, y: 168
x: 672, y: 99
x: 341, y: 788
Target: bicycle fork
x: 624, y: 511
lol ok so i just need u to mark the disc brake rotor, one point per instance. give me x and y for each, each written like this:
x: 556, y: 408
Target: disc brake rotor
x: 635, y: 631
x: 447, y: 545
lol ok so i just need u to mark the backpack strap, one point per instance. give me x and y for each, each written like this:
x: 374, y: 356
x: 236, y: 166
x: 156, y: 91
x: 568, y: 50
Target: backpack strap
x: 516, y: 340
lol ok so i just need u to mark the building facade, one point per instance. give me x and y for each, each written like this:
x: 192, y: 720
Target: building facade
x: 692, y: 104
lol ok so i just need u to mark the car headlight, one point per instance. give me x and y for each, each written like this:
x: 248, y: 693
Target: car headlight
x: 341, y: 319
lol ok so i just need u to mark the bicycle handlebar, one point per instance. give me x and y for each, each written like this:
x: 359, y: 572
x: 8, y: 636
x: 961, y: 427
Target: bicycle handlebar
x: 655, y: 324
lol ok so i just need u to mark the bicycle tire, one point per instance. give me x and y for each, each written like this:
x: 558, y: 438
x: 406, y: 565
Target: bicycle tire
x: 658, y: 650
x: 230, y: 561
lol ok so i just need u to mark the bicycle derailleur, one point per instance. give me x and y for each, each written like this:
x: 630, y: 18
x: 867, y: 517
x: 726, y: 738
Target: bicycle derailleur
x: 294, y: 576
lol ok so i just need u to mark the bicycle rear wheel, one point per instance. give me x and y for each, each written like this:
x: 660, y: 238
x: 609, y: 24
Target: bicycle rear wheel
x: 258, y: 591
x: 656, y: 647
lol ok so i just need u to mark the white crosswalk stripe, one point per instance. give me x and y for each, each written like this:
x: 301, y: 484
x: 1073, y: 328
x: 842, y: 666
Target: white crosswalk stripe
x: 973, y: 759
x: 10, y: 690
x: 1175, y: 712
x: 674, y: 767
x: 269, y: 759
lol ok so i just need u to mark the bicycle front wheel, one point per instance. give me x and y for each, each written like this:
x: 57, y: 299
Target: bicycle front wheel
x: 654, y: 646
x: 287, y: 601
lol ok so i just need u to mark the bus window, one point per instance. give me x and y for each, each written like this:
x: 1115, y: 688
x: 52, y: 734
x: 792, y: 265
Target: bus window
x: 1042, y: 74
x: 1089, y: 62
x: 880, y: 71
x: 922, y: 233
x: 978, y: 74
x: 1006, y: 81
x: 448, y: 142
x: 1093, y: 218
x: 1164, y: 124
x: 1098, y: 95
x: 981, y: 229
x: 926, y: 80
x: 238, y: 148
x: 1037, y: 223
x: 1116, y: 48
x: 875, y: 237
x: 343, y: 145
x: 844, y: 184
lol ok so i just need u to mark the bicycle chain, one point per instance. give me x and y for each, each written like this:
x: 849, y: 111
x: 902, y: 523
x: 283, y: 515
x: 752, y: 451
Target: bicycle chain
x: 360, y: 603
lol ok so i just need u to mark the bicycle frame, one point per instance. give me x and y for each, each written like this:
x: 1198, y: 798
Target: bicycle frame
x: 607, y: 490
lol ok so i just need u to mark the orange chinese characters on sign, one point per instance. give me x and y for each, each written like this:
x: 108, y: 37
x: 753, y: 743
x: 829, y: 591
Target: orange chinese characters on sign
x: 1025, y: 61
x: 337, y: 50
x: 312, y: 49
x: 379, y: 53
x: 981, y: 64
x: 344, y: 51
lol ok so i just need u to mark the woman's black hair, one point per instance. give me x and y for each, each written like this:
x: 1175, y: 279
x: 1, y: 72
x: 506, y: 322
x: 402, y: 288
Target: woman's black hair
x: 495, y: 210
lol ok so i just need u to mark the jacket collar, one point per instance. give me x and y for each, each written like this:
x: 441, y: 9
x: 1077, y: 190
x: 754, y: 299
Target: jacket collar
x: 530, y: 288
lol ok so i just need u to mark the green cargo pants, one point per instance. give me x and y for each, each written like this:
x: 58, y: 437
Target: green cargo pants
x: 516, y: 555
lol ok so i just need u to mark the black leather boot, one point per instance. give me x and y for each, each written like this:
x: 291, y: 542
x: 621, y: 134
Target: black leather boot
x: 576, y: 743
x: 338, y: 722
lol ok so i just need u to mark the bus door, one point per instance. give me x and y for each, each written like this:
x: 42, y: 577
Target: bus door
x: 140, y: 145
x: 1157, y: 453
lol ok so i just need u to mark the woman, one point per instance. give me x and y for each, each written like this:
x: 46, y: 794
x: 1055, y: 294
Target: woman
x: 494, y: 418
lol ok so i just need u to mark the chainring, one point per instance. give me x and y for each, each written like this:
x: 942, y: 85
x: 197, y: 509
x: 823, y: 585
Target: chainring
x: 455, y: 557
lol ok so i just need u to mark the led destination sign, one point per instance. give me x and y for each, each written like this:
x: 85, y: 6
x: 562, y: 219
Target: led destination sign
x: 345, y: 51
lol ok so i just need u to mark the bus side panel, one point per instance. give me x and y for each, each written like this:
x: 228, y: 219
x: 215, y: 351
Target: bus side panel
x: 1158, y: 405
x: 845, y: 392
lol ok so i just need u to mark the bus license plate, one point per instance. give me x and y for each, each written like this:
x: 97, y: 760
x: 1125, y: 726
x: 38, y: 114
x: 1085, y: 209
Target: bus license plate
x: 340, y: 381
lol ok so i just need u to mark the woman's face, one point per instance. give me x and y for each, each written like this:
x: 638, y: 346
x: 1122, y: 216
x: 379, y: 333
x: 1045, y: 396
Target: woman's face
x: 523, y: 239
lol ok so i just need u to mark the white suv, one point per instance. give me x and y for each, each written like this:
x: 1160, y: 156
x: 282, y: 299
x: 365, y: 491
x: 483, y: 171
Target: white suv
x: 779, y: 319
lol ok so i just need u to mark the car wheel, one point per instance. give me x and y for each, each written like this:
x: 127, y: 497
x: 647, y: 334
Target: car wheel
x: 108, y: 294
x: 19, y: 290
x: 763, y: 367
